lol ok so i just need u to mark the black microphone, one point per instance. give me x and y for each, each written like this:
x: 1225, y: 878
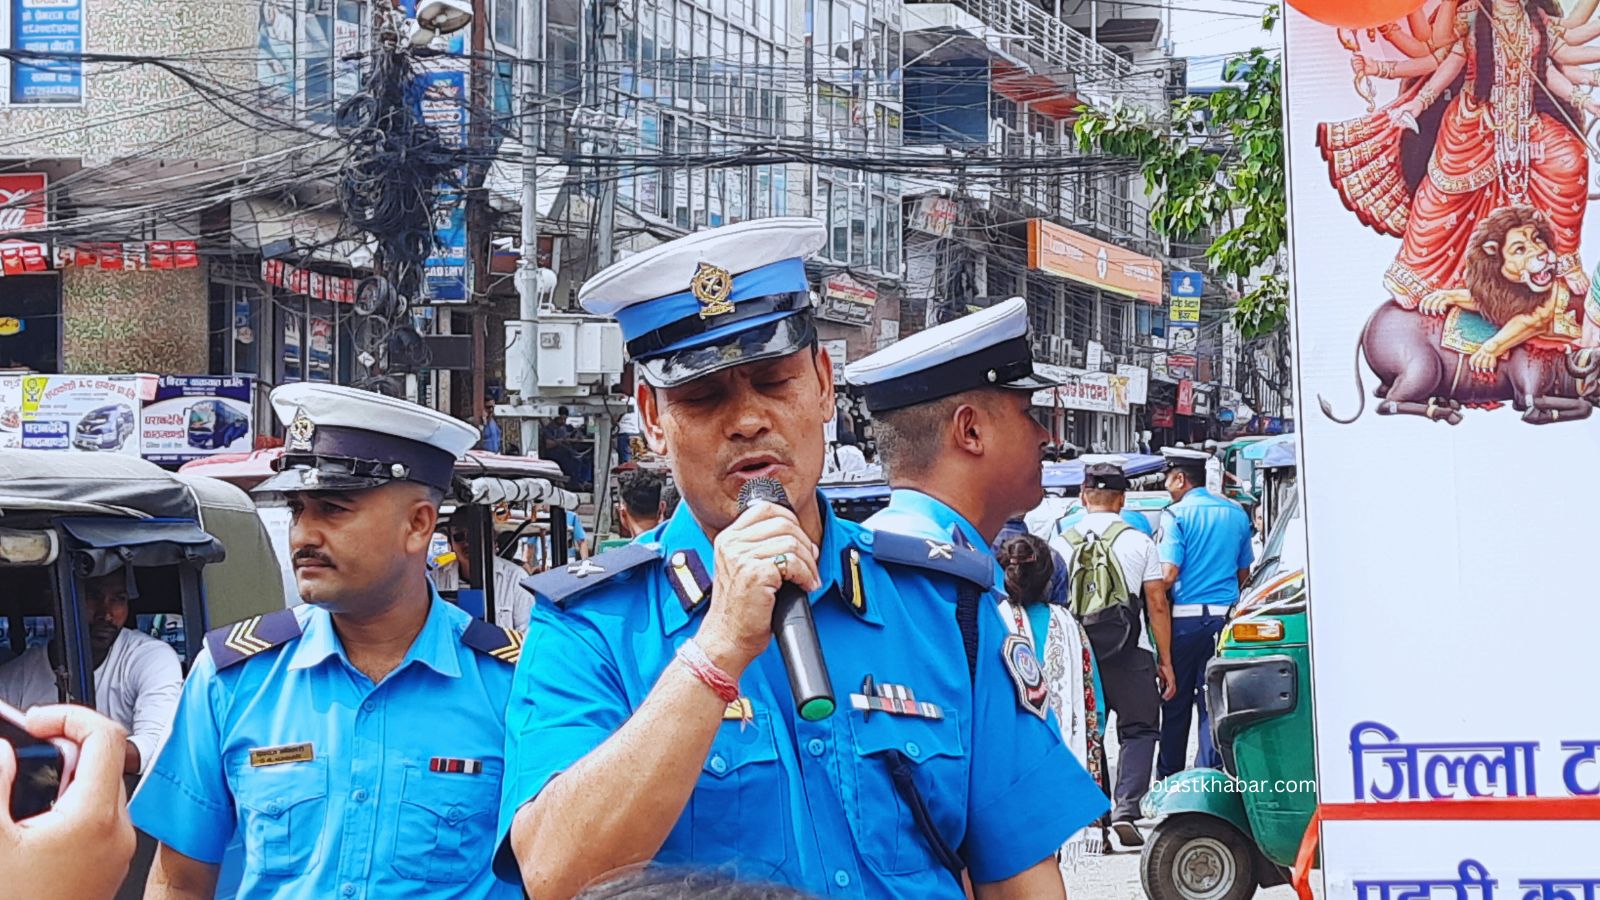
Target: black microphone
x: 793, y: 625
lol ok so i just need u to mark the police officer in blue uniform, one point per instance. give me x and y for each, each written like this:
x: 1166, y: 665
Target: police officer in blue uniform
x: 950, y: 407
x: 652, y: 717
x: 1206, y: 557
x: 355, y: 743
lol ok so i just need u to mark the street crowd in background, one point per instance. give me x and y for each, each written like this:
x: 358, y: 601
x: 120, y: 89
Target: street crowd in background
x: 648, y: 718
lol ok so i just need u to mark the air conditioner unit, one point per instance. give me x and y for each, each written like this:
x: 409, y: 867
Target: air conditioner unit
x: 1059, y: 347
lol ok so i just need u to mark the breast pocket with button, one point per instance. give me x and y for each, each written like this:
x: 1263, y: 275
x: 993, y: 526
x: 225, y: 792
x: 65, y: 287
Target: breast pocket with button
x: 885, y: 829
x: 444, y: 832
x: 738, y: 806
x: 283, y: 809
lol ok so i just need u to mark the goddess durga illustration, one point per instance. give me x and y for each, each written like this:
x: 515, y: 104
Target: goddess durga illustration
x: 1480, y: 166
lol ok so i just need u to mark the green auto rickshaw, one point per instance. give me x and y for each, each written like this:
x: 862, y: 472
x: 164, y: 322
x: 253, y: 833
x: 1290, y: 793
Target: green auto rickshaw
x: 1223, y: 833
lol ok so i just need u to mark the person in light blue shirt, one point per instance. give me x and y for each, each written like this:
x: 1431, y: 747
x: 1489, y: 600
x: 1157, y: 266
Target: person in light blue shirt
x: 652, y: 716
x: 355, y: 745
x: 536, y: 550
x: 1206, y: 557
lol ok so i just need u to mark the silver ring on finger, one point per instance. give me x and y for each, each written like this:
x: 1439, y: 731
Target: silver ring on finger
x: 782, y: 562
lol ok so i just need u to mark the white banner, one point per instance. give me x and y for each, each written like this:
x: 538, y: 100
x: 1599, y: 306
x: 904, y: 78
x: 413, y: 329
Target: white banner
x: 1452, y: 656
x: 1138, y: 383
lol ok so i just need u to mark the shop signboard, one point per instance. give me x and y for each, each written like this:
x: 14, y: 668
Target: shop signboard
x: 53, y: 27
x: 91, y: 413
x: 847, y: 300
x: 933, y: 215
x: 195, y: 416
x: 1161, y: 415
x: 1068, y: 254
x: 839, y: 355
x: 1186, y: 398
x: 1085, y: 390
x: 1486, y: 782
x: 1138, y: 383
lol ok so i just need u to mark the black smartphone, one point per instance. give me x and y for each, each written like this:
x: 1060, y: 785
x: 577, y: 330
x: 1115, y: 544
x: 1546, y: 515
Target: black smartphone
x: 43, y: 767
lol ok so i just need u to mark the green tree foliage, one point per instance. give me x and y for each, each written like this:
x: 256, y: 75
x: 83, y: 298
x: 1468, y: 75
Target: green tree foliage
x: 1216, y: 162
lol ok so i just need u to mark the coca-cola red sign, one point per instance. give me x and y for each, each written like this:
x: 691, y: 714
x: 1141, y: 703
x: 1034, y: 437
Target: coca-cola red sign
x: 22, y: 202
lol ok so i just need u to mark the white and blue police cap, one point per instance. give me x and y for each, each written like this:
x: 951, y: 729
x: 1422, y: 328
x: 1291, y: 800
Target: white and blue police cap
x: 1182, y: 459
x: 345, y: 439
x: 713, y: 299
x: 988, y: 348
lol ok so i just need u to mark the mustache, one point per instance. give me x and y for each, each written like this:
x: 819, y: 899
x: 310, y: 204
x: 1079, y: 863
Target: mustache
x: 734, y: 454
x: 311, y: 555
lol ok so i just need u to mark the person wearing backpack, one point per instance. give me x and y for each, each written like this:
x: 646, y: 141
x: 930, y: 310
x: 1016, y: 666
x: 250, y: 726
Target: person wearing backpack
x: 1114, y: 575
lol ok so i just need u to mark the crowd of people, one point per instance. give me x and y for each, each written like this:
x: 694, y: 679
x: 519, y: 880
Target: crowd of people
x: 378, y: 741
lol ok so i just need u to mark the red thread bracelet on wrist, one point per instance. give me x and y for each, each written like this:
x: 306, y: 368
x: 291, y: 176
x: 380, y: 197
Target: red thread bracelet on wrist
x: 692, y: 655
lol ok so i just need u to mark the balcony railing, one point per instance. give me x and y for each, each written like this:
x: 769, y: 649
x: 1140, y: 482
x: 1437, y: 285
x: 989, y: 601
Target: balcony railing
x: 1057, y: 47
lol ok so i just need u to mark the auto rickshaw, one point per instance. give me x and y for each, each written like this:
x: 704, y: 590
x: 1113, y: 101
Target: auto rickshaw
x: 198, y: 556
x: 1216, y: 840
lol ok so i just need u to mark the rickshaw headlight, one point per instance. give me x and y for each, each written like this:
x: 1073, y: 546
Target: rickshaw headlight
x: 27, y: 548
x: 1257, y: 631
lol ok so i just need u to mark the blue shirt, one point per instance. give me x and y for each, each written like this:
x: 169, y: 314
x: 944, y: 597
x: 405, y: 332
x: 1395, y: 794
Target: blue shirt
x: 359, y: 813
x: 1208, y: 539
x: 921, y: 515
x: 541, y: 544
x: 809, y: 804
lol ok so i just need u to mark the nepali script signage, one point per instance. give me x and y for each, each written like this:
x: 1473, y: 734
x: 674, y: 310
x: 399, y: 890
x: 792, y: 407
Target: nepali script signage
x: 1442, y: 308
x: 1066, y: 253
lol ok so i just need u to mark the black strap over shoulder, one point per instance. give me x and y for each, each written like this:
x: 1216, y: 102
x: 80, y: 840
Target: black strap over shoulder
x: 901, y: 774
x: 967, y: 597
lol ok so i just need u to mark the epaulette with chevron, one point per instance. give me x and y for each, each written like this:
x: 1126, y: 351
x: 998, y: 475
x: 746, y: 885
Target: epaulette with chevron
x: 504, y: 644
x: 238, y: 642
x: 947, y: 557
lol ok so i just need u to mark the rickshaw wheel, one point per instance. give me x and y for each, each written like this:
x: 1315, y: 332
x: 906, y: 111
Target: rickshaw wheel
x: 1197, y: 857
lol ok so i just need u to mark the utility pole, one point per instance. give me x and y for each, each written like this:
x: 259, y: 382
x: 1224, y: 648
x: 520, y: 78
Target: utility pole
x: 530, y: 83
x: 602, y: 102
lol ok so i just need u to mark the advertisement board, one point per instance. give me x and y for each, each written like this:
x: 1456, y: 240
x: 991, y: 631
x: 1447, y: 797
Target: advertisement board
x: 1185, y: 404
x: 1083, y: 390
x: 195, y: 416
x: 1452, y: 672
x: 847, y: 300
x: 93, y: 413
x: 48, y: 27
x: 1066, y: 253
x: 1138, y: 383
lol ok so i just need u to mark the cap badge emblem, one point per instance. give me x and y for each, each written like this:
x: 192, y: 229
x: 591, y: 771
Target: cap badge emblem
x: 300, y: 432
x: 712, y: 286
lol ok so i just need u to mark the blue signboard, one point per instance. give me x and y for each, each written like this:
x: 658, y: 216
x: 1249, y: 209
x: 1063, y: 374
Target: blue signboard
x: 1188, y: 284
x: 444, y: 106
x: 54, y: 27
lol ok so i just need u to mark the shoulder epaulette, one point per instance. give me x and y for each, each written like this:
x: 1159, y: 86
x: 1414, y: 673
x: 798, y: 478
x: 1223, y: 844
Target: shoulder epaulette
x: 238, y: 642
x: 504, y: 644
x: 945, y: 557
x: 559, y: 585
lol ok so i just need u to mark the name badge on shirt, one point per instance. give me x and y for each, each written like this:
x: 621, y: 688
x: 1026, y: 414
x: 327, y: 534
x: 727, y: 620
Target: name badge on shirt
x: 277, y: 756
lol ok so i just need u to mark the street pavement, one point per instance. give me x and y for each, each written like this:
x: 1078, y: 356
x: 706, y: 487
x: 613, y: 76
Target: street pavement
x: 1114, y: 875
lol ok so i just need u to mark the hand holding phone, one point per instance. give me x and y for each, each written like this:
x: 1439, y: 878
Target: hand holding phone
x: 44, y: 766
x: 80, y: 846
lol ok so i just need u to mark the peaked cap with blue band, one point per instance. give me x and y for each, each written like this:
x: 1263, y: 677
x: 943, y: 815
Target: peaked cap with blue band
x: 713, y: 299
x: 988, y: 348
x: 345, y: 439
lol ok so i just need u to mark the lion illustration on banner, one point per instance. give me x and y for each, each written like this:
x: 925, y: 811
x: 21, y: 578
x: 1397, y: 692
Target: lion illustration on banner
x: 1504, y: 337
x: 1479, y: 166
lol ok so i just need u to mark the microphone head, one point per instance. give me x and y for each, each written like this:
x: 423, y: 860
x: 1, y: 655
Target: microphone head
x: 768, y: 489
